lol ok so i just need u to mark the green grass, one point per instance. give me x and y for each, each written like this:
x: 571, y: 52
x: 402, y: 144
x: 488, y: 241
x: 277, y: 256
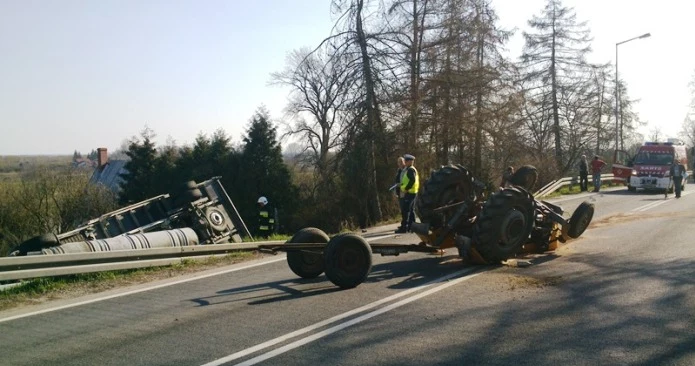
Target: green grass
x: 575, y: 189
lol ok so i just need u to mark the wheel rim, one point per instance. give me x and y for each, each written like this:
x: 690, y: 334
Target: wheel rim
x: 514, y: 225
x: 350, y: 260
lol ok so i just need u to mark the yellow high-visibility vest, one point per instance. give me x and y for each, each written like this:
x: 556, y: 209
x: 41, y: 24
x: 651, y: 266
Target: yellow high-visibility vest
x: 405, y: 181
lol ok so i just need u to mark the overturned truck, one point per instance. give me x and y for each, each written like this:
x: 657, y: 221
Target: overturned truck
x: 193, y: 213
x: 454, y: 212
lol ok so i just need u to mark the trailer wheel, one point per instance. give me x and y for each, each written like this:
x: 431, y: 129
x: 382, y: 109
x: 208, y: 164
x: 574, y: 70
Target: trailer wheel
x: 525, y: 177
x: 306, y: 264
x: 504, y: 224
x: 348, y: 260
x: 450, y: 184
x: 580, y: 220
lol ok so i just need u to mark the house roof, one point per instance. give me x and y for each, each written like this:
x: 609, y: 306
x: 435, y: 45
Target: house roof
x: 110, y: 174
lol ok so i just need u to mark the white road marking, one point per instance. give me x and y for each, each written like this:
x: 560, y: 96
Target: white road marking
x: 344, y: 325
x: 651, y: 205
x: 67, y: 306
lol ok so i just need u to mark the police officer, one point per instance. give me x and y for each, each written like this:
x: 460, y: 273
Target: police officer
x: 410, y: 183
x: 266, y: 218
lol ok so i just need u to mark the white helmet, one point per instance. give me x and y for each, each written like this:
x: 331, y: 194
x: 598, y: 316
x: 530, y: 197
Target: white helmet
x: 263, y: 200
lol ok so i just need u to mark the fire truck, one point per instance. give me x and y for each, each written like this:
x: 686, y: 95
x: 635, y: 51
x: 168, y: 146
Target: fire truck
x: 650, y: 168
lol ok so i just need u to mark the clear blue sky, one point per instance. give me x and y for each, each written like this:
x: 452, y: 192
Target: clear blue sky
x: 85, y: 74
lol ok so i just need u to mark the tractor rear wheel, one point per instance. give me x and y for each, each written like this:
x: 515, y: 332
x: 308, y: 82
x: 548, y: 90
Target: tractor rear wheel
x: 525, y: 177
x: 447, y: 185
x: 306, y: 264
x: 580, y: 220
x: 504, y: 224
x: 348, y: 260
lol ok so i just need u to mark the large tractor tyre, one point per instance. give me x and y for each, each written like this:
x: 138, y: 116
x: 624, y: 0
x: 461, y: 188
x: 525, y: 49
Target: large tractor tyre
x: 306, y: 264
x: 580, y: 220
x: 450, y: 184
x: 37, y: 243
x: 348, y: 260
x: 525, y: 177
x: 504, y: 224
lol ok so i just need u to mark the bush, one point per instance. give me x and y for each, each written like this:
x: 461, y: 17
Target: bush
x: 45, y: 200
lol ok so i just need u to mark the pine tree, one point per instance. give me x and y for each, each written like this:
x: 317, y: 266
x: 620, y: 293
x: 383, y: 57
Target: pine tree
x: 262, y: 171
x: 140, y: 179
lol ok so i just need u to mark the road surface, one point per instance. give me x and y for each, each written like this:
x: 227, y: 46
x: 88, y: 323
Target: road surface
x: 624, y: 293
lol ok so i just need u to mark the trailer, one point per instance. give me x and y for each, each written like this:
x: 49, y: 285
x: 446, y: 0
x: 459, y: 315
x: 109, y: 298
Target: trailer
x: 454, y: 212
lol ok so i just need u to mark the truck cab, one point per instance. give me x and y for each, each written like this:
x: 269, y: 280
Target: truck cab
x: 650, y: 168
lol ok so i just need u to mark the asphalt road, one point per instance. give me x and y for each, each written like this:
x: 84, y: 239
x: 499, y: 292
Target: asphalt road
x: 622, y: 294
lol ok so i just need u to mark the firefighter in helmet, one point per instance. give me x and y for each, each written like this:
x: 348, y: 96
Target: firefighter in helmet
x: 266, y: 218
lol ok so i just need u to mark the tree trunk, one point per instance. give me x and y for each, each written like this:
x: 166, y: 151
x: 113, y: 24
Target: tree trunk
x: 373, y: 119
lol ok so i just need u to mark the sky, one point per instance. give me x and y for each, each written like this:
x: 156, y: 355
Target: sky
x: 79, y: 74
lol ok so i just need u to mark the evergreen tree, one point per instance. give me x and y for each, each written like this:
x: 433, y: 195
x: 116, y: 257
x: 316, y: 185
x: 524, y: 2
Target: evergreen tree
x: 141, y: 179
x: 263, y: 172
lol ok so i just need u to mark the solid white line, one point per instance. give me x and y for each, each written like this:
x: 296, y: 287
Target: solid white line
x: 334, y: 319
x: 352, y: 322
x: 67, y: 306
x: 139, y: 290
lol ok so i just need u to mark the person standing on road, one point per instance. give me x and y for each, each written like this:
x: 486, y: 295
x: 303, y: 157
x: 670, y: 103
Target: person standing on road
x: 677, y: 173
x: 596, y: 167
x: 266, y: 218
x: 583, y: 174
x: 410, y: 183
x: 507, y: 176
x: 397, y: 188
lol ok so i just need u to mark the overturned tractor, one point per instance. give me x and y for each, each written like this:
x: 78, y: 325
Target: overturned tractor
x: 454, y: 212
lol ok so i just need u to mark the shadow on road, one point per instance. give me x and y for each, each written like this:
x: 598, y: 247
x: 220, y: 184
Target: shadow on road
x: 408, y: 273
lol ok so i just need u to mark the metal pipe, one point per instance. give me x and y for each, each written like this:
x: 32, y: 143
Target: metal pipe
x: 157, y: 239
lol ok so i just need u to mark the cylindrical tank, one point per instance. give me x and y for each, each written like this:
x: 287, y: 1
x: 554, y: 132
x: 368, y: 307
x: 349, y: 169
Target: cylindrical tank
x: 159, y: 239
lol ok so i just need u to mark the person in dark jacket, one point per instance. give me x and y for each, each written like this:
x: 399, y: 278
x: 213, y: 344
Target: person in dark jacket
x: 410, y: 183
x: 677, y: 173
x: 507, y: 176
x: 266, y: 218
x: 397, y: 185
x: 583, y: 174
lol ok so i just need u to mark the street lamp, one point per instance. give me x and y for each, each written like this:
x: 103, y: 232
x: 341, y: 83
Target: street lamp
x: 618, y: 115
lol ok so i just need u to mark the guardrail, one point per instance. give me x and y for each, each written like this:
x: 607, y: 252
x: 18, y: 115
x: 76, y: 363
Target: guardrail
x: 34, y: 266
x: 559, y: 183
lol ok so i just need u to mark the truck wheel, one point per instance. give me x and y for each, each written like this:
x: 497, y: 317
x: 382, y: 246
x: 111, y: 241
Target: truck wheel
x: 631, y: 189
x: 37, y: 243
x: 580, y: 220
x: 306, y: 264
x: 348, y: 260
x: 525, y: 177
x: 447, y: 185
x: 504, y: 224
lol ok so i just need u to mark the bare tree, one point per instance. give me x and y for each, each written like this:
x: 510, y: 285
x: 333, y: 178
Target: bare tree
x: 320, y: 86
